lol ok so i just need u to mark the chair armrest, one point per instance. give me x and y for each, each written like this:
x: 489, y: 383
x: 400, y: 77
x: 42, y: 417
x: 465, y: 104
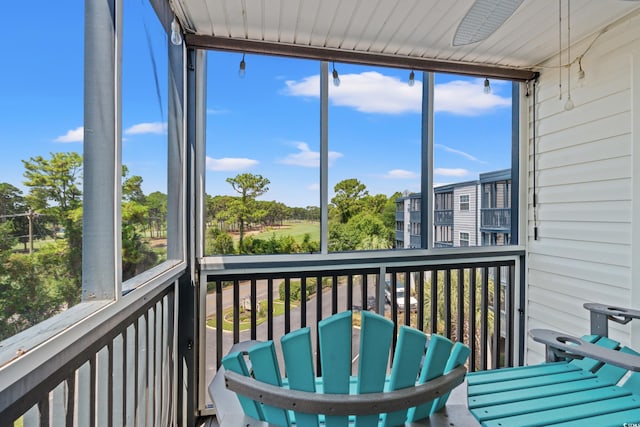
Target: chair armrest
x: 341, y: 404
x: 562, y: 345
x: 601, y: 314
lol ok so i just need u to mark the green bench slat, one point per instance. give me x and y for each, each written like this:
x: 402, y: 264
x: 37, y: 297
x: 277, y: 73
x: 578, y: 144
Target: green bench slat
x: 265, y: 368
x: 376, y: 333
x: 491, y: 388
x: 234, y: 362
x: 618, y: 419
x: 435, y: 360
x: 546, y: 403
x: 298, y: 363
x: 560, y: 415
x: 335, y: 358
x: 534, y: 392
x: 520, y: 373
x: 404, y: 369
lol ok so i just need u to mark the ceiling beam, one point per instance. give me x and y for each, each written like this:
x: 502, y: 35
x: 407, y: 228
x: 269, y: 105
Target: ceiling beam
x: 357, y: 57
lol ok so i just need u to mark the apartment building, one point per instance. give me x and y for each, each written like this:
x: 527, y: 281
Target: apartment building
x: 470, y: 213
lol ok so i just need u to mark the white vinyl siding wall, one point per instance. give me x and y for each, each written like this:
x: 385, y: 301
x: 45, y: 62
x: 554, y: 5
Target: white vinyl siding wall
x: 466, y: 221
x: 587, y: 186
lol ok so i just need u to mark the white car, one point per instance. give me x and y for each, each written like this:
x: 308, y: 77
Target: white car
x: 413, y: 303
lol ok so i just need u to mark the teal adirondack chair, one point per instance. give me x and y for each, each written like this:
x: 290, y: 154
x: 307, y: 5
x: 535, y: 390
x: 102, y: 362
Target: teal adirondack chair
x: 582, y: 389
x: 418, y: 384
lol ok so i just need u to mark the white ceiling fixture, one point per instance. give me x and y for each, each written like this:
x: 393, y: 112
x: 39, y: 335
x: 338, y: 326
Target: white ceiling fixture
x: 483, y: 19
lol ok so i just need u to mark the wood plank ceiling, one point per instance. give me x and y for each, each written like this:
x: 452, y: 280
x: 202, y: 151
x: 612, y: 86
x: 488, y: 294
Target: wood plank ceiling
x: 412, y: 33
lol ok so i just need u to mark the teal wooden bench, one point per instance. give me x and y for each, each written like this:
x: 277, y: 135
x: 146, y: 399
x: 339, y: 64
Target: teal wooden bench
x: 588, y: 381
x: 417, y: 385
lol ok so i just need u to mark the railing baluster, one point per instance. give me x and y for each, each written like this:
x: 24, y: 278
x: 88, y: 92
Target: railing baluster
x: 219, y: 325
x: 393, y: 304
x: 497, y: 317
x: 334, y: 294
x: 236, y: 311
x: 350, y: 293
x: 461, y: 297
x: 136, y: 370
x: 92, y: 390
x: 510, y: 311
x: 110, y: 384
x: 303, y: 301
x: 447, y: 302
x: 70, y: 408
x: 254, y: 308
x: 484, y: 320
x: 148, y: 369
x: 472, y: 317
x: 318, y: 319
x: 124, y: 375
x: 270, y: 308
x: 365, y: 291
x: 407, y: 299
x: 287, y: 305
x: 434, y: 301
x: 420, y: 311
x: 43, y: 407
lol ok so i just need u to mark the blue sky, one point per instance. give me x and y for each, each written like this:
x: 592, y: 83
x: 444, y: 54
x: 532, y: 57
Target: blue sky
x: 265, y: 123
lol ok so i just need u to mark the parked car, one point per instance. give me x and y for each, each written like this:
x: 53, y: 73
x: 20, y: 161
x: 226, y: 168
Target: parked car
x: 413, y: 303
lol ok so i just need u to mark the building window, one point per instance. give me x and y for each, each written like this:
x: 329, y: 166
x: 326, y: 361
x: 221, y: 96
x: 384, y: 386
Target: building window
x: 464, y: 202
x: 464, y: 239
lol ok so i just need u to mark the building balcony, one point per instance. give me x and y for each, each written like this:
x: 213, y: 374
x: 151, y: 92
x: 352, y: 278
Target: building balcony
x: 443, y: 244
x: 122, y: 361
x: 495, y: 219
x: 443, y: 217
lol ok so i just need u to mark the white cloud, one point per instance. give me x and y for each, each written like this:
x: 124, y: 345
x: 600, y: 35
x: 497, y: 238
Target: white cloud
x: 307, y: 158
x: 460, y: 153
x: 313, y: 187
x: 158, y: 128
x: 368, y: 92
x: 466, y: 98
x: 373, y: 92
x: 400, y: 174
x: 230, y: 164
x: 73, y: 135
x: 457, y: 172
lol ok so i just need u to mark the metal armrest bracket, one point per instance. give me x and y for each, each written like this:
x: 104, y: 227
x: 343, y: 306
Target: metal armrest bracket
x: 601, y: 314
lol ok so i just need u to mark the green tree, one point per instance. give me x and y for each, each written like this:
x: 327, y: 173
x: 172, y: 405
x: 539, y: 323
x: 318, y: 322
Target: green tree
x: 348, y: 199
x: 132, y: 187
x: 137, y: 256
x: 249, y: 187
x: 54, y: 189
x: 218, y: 242
x: 33, y: 287
x: 156, y: 203
x: 7, y: 241
x: 363, y: 231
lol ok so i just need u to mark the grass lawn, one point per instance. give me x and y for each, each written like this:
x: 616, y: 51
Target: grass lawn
x: 295, y: 229
x: 245, y: 316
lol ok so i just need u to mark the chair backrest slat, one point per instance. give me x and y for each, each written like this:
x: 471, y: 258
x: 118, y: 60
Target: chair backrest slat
x: 438, y: 353
x: 404, y: 370
x: 335, y: 357
x: 234, y: 362
x: 376, y: 333
x: 265, y: 368
x: 298, y: 363
x: 459, y: 356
